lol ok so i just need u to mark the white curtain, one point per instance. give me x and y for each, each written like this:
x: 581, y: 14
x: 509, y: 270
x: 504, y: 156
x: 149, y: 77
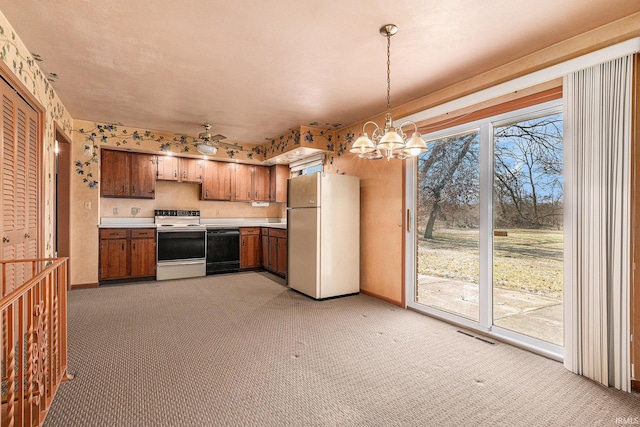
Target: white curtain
x: 598, y: 108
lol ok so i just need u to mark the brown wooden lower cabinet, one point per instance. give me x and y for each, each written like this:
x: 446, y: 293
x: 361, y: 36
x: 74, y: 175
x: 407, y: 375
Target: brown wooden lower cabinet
x: 277, y: 248
x: 127, y: 253
x: 250, y: 247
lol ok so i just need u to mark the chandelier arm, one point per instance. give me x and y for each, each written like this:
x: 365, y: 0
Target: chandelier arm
x: 409, y: 122
x: 376, y: 130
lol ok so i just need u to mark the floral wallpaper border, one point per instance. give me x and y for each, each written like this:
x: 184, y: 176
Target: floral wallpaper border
x: 116, y: 135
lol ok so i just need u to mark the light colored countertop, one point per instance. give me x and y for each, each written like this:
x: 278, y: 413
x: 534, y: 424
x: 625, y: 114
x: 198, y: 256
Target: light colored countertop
x: 210, y: 223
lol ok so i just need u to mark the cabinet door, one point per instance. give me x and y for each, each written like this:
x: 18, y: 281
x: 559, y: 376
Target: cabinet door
x: 168, y: 168
x: 250, y: 247
x: 143, y: 176
x: 243, y: 183
x: 273, y: 254
x: 217, y: 181
x: 264, y: 241
x: 113, y: 259
x: 143, y: 257
x: 115, y: 169
x: 191, y: 170
x: 281, y: 268
x: 278, y: 177
x: 261, y: 183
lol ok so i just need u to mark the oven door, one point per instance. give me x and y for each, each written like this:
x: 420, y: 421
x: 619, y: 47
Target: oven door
x: 181, y: 254
x: 181, y: 245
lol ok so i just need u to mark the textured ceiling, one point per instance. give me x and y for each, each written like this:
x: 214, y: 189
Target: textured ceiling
x: 255, y: 69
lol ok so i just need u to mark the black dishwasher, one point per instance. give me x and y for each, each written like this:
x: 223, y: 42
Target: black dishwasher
x: 223, y: 250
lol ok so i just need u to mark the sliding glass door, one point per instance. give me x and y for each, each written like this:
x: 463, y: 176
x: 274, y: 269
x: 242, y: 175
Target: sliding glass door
x: 527, y: 227
x: 488, y: 230
x: 448, y: 215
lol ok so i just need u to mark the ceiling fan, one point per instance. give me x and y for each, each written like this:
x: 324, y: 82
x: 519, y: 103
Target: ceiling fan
x: 209, y: 143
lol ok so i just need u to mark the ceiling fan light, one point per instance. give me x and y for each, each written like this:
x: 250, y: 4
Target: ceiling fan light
x: 206, y: 149
x: 363, y: 145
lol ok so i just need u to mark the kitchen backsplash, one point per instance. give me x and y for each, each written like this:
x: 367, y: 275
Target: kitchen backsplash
x: 176, y: 195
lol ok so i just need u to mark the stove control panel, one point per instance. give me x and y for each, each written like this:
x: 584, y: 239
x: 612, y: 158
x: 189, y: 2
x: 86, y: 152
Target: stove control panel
x: 179, y: 212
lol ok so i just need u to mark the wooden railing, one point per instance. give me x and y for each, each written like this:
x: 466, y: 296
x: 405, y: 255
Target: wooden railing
x: 34, y: 338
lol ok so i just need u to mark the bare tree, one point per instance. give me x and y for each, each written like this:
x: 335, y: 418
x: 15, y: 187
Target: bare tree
x: 446, y: 175
x: 528, y: 171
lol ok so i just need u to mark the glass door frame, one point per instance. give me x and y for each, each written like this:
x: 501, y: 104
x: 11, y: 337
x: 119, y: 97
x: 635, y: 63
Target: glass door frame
x: 485, y: 320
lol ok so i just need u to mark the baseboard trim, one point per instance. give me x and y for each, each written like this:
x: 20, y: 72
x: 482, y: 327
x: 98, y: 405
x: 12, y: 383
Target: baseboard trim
x: 84, y: 286
x: 382, y: 297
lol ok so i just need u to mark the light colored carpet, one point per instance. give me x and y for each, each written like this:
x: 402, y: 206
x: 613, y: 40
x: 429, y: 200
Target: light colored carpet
x: 243, y: 349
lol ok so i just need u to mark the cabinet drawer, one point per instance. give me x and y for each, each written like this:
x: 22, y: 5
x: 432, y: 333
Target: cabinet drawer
x: 276, y: 232
x: 113, y: 233
x: 137, y: 233
x: 249, y: 230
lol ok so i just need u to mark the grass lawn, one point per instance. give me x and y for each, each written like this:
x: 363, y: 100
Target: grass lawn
x: 526, y: 260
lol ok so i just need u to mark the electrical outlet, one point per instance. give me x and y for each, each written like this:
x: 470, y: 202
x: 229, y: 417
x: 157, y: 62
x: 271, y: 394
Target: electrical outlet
x: 115, y: 211
x: 135, y: 211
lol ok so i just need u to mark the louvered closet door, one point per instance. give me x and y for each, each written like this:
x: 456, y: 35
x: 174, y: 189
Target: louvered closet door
x: 19, y: 184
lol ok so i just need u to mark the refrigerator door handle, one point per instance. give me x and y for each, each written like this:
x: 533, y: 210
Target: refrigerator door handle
x: 408, y: 220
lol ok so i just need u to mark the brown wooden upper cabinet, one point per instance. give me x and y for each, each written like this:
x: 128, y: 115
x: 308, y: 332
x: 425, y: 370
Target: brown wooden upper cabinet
x: 216, y: 184
x: 279, y: 175
x: 180, y: 169
x: 126, y: 174
x: 251, y: 183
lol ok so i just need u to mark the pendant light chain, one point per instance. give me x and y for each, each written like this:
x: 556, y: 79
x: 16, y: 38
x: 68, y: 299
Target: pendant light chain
x: 388, y: 72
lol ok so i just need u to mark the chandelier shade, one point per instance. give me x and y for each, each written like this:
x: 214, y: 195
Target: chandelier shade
x: 363, y: 145
x: 390, y: 141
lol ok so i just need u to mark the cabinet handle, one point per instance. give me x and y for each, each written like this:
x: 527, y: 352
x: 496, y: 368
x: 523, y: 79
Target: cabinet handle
x: 256, y: 195
x: 248, y: 194
x: 175, y: 173
x: 134, y: 246
x: 184, y: 174
x: 133, y: 190
x: 27, y: 235
x: 123, y: 246
x: 206, y: 193
x: 123, y: 188
x: 6, y: 239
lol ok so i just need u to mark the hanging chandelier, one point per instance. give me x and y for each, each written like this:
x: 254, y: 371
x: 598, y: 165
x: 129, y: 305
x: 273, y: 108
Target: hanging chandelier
x: 390, y: 142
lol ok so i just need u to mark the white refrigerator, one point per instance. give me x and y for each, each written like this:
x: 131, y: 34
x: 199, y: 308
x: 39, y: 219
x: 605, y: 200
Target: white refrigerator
x: 323, y: 241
